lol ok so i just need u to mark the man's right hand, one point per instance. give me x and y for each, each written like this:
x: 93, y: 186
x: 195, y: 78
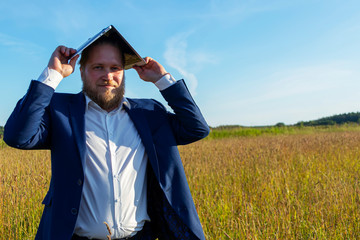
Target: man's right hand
x: 59, y: 60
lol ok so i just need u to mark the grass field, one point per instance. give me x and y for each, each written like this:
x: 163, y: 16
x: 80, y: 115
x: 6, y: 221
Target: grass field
x: 288, y: 183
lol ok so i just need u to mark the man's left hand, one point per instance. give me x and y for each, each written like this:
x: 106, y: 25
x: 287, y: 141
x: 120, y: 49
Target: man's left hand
x: 152, y: 71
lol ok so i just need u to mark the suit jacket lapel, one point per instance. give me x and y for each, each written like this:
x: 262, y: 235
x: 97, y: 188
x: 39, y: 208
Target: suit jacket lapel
x: 77, y: 121
x: 139, y: 119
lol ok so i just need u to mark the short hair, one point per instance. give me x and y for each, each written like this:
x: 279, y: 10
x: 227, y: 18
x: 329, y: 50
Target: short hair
x: 111, y: 40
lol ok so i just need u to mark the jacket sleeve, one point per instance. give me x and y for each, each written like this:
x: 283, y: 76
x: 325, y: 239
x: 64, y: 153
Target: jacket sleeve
x: 188, y: 124
x: 27, y: 126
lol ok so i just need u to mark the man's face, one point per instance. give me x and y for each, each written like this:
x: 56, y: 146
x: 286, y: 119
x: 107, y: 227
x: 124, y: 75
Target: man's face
x: 103, y: 76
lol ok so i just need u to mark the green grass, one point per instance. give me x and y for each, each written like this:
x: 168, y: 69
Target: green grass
x: 224, y: 132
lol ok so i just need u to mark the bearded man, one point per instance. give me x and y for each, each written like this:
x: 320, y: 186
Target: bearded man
x: 113, y: 159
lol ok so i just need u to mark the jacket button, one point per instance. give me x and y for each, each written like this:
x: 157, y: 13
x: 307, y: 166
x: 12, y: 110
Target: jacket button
x: 74, y: 211
x: 79, y: 182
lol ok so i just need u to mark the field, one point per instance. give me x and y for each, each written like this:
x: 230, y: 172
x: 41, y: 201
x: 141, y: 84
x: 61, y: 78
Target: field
x: 275, y: 183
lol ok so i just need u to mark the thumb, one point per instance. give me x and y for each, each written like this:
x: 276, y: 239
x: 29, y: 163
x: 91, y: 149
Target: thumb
x: 73, y: 62
x: 138, y: 69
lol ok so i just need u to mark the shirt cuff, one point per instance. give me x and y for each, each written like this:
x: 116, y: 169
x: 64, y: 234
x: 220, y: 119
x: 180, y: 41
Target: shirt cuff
x: 50, y: 77
x: 165, y: 81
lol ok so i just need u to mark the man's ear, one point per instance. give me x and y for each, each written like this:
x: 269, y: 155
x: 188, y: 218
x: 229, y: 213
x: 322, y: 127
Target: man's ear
x: 81, y: 71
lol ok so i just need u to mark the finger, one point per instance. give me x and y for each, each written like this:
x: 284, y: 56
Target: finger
x: 68, y: 52
x: 72, y: 51
x: 147, y: 59
x: 65, y: 51
x: 73, y: 62
x: 62, y: 50
x: 137, y: 69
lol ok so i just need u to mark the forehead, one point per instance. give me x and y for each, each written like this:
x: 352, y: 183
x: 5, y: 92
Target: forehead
x: 105, y: 53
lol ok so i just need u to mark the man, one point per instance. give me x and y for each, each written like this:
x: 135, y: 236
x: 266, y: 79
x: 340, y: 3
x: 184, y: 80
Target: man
x: 113, y: 159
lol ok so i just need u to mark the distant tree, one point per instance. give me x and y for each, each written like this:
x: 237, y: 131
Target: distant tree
x: 280, y: 124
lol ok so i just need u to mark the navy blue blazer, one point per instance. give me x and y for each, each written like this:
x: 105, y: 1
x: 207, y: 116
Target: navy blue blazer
x: 43, y: 119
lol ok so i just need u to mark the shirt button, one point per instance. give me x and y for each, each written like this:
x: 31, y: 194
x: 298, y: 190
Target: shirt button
x: 74, y: 211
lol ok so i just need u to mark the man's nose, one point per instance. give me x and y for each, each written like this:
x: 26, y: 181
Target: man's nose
x: 108, y: 75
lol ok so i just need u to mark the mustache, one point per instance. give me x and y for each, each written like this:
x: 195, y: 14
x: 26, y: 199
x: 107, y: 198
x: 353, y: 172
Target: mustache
x: 109, y: 82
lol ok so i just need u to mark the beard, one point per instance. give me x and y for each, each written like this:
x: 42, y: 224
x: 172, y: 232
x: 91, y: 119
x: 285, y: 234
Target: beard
x: 108, y: 100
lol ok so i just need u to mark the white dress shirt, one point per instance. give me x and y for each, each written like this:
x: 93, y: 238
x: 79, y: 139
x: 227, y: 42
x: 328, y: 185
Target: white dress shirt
x: 114, y: 189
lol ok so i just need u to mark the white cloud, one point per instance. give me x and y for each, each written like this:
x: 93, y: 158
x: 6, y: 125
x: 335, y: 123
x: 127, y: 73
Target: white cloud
x: 176, y: 56
x: 186, y: 62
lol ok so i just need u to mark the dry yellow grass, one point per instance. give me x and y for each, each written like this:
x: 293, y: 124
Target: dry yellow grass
x: 277, y: 187
x: 25, y: 176
x: 300, y: 186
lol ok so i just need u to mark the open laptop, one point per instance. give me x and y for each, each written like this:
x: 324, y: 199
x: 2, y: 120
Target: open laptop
x: 132, y: 58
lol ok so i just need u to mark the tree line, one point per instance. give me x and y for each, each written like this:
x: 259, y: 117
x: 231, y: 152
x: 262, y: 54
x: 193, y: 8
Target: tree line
x: 353, y: 117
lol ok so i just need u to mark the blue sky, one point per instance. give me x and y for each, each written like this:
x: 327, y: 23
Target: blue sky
x: 246, y: 62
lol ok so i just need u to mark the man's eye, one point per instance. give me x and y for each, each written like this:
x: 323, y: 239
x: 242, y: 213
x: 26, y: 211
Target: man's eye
x: 97, y: 67
x: 116, y: 68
